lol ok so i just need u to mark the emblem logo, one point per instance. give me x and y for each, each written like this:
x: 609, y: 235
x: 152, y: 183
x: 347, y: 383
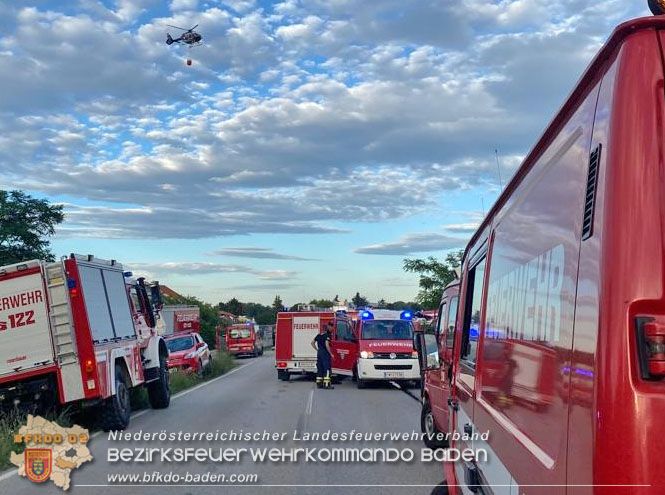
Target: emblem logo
x: 393, y: 355
x: 38, y: 464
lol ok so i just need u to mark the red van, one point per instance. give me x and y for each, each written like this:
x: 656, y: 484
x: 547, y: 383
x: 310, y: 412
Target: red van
x: 559, y: 345
x: 379, y: 346
x: 244, y: 339
x: 438, y: 368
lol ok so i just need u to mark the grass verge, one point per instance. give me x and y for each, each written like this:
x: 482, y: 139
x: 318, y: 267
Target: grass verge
x: 10, y: 422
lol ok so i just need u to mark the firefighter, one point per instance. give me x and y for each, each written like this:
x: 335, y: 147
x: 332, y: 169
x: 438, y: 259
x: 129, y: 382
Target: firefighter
x: 323, y: 357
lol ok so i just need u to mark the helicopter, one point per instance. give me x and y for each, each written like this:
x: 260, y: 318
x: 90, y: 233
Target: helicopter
x: 189, y: 37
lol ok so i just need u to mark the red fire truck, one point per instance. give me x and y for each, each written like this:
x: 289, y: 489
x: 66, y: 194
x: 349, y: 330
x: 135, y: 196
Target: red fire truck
x: 294, y: 334
x: 181, y: 318
x: 559, y: 345
x: 78, y: 332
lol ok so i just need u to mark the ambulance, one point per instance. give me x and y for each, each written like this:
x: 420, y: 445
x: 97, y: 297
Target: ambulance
x: 559, y: 344
x: 80, y: 332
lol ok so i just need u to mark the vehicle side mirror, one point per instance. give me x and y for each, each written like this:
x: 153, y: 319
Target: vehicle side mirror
x: 200, y: 344
x: 428, y: 351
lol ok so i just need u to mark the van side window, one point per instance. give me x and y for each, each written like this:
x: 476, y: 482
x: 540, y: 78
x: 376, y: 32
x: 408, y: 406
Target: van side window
x: 452, y: 315
x: 471, y: 328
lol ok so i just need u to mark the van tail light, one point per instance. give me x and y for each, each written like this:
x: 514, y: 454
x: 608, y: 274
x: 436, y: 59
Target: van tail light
x: 651, y: 347
x: 281, y: 365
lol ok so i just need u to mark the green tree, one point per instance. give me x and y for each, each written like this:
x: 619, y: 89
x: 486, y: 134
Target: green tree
x: 382, y: 304
x: 26, y: 224
x: 321, y: 303
x: 277, y: 304
x: 434, y: 276
x: 263, y: 315
x: 232, y: 306
x: 359, y: 300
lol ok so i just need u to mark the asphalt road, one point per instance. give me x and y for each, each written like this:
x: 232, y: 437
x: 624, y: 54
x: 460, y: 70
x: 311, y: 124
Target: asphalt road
x: 251, y: 399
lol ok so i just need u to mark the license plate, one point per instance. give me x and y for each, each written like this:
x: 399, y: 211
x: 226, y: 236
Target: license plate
x: 305, y: 365
x: 393, y: 374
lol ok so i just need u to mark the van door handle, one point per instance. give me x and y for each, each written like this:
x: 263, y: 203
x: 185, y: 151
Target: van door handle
x: 452, y: 403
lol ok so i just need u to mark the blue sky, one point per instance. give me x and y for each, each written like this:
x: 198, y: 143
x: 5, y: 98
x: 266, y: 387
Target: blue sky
x: 310, y: 147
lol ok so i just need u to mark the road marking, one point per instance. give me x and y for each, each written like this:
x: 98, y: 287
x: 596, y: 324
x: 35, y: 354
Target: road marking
x: 310, y: 401
x: 405, y: 390
x: 14, y: 472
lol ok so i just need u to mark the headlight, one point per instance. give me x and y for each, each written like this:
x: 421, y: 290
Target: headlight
x: 414, y: 354
x: 366, y: 355
x: 190, y: 355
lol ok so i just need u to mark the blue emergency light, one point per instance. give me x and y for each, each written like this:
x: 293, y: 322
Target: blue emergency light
x: 406, y: 315
x: 366, y: 315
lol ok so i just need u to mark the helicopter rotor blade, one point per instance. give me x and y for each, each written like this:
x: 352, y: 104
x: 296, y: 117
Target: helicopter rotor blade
x: 176, y: 27
x: 192, y: 29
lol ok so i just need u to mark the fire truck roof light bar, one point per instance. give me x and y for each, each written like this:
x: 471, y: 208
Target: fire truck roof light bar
x: 406, y: 315
x: 367, y: 315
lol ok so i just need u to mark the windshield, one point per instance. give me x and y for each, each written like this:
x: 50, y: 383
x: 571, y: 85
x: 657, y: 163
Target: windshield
x: 180, y: 344
x: 387, y: 330
x: 240, y: 333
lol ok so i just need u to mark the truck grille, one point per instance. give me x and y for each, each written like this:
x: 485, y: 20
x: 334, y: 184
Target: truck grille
x: 393, y: 366
x: 398, y: 355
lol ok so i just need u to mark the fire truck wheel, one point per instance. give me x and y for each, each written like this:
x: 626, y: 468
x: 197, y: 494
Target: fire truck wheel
x: 159, y: 391
x: 428, y: 426
x: 210, y: 365
x: 115, y: 412
x: 199, y: 370
x: 285, y: 376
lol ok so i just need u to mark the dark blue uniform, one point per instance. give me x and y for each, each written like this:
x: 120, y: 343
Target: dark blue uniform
x: 323, y: 360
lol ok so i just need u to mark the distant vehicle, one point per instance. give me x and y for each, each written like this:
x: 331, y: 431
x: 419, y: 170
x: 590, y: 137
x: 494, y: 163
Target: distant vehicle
x: 559, y: 344
x: 244, y: 339
x: 79, y: 332
x: 294, y: 333
x: 268, y: 335
x: 181, y: 318
x: 188, y: 352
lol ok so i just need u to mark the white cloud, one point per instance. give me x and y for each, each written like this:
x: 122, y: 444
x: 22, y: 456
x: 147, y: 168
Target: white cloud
x: 292, y: 119
x: 257, y: 253
x: 183, y: 5
x: 416, y: 242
